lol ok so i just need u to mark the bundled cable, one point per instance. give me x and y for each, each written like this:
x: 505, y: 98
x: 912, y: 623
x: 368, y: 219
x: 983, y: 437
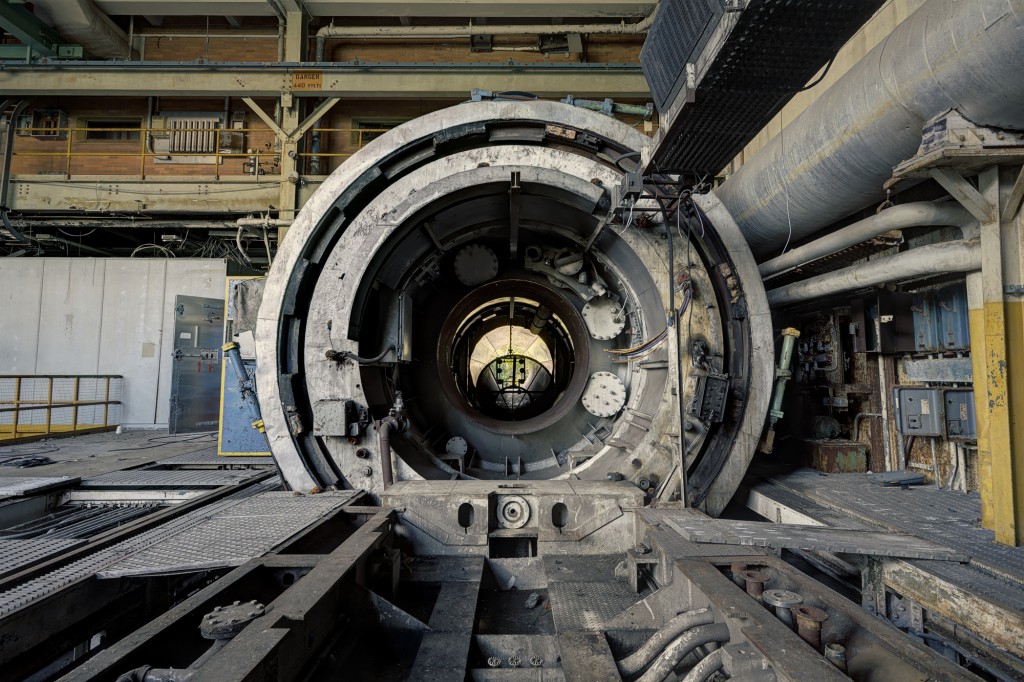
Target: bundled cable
x: 654, y: 343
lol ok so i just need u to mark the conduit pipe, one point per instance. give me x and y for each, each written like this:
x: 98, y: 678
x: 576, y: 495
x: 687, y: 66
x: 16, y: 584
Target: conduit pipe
x: 918, y: 214
x: 832, y: 159
x: 332, y: 31
x: 80, y: 21
x: 955, y: 256
x: 683, y: 645
x: 642, y: 657
x: 711, y: 663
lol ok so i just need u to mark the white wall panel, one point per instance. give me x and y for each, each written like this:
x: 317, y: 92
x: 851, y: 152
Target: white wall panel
x: 21, y: 291
x: 100, y: 316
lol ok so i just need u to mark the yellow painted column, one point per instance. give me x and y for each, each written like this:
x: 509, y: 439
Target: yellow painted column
x: 976, y: 318
x: 999, y: 375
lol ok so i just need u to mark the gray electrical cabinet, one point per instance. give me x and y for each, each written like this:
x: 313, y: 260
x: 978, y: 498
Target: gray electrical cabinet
x: 959, y: 410
x: 919, y: 411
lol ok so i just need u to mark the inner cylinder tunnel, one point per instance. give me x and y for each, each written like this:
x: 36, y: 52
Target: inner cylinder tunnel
x: 469, y: 280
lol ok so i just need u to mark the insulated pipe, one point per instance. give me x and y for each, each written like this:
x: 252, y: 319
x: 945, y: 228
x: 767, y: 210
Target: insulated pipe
x: 683, y: 645
x: 711, y: 663
x: 642, y: 657
x: 945, y: 257
x: 384, y: 428
x: 917, y: 214
x: 393, y: 423
x: 82, y: 22
x: 332, y: 31
x: 832, y: 159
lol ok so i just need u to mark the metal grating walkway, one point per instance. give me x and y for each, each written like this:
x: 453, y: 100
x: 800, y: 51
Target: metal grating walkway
x: 696, y: 527
x: 231, y: 536
x: 947, y: 518
x: 17, y: 553
x: 157, y: 478
x: 88, y: 566
x: 18, y: 486
x: 210, y: 458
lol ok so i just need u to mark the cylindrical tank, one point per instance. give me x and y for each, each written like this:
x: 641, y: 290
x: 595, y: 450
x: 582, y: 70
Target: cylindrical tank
x: 465, y: 279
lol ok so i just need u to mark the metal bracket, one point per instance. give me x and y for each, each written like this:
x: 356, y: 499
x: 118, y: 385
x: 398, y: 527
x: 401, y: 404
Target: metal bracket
x: 965, y: 193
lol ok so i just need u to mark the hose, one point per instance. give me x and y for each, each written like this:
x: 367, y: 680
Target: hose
x: 384, y: 429
x: 683, y: 645
x: 338, y: 355
x: 642, y: 657
x: 712, y: 663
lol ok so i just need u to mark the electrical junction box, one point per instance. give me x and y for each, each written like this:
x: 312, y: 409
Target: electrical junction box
x: 959, y: 410
x: 919, y: 411
x: 952, y: 329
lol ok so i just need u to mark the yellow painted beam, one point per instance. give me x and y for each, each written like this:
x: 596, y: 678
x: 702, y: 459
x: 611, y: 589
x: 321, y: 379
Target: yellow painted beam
x: 1001, y: 382
x: 1015, y: 364
x: 976, y: 320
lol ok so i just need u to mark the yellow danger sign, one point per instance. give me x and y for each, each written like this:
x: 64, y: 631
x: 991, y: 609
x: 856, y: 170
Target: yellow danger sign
x: 307, y: 80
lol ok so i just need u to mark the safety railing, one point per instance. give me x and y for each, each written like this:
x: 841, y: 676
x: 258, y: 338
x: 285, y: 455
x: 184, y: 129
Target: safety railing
x: 73, y: 143
x: 35, y: 406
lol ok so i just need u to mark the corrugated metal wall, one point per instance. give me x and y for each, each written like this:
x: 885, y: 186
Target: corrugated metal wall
x: 100, y: 316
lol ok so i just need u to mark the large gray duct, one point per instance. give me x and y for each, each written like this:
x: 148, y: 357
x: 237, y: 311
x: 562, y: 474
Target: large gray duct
x: 80, y: 21
x: 949, y: 54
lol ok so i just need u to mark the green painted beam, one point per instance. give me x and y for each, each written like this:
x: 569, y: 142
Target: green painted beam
x: 24, y: 26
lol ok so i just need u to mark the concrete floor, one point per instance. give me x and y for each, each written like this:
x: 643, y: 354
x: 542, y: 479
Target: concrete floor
x: 100, y: 453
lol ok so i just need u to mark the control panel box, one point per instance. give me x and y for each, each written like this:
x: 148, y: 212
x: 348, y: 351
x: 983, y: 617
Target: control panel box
x: 959, y: 410
x: 919, y: 411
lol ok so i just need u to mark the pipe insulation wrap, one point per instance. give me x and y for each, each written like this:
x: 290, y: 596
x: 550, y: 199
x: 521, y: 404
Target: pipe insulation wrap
x: 80, y: 21
x: 683, y: 645
x: 956, y: 256
x: 642, y: 657
x: 832, y: 159
x: 917, y: 214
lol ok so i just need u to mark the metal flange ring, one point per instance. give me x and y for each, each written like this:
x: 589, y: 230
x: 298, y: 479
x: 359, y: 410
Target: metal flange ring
x: 513, y: 511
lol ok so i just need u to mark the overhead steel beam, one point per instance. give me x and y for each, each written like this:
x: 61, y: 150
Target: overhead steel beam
x: 291, y: 6
x: 27, y: 28
x: 125, y: 79
x: 390, y: 8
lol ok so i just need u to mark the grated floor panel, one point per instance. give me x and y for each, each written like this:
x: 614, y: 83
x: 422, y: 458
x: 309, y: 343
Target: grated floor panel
x: 231, y: 536
x: 18, y: 486
x: 209, y: 457
x: 21, y: 552
x: 156, y: 478
x: 49, y: 583
x: 587, y: 606
x: 944, y: 517
x: 696, y: 527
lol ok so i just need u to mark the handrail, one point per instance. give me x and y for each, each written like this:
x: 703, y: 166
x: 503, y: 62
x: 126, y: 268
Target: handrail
x: 62, y: 397
x: 71, y: 136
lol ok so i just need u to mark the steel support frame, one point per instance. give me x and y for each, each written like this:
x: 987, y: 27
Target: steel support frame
x: 702, y: 568
x: 289, y: 137
x: 981, y: 623
x: 1000, y: 342
x: 298, y: 623
x: 31, y: 31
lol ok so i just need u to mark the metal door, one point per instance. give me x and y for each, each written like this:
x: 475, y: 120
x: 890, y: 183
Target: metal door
x: 195, y: 375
